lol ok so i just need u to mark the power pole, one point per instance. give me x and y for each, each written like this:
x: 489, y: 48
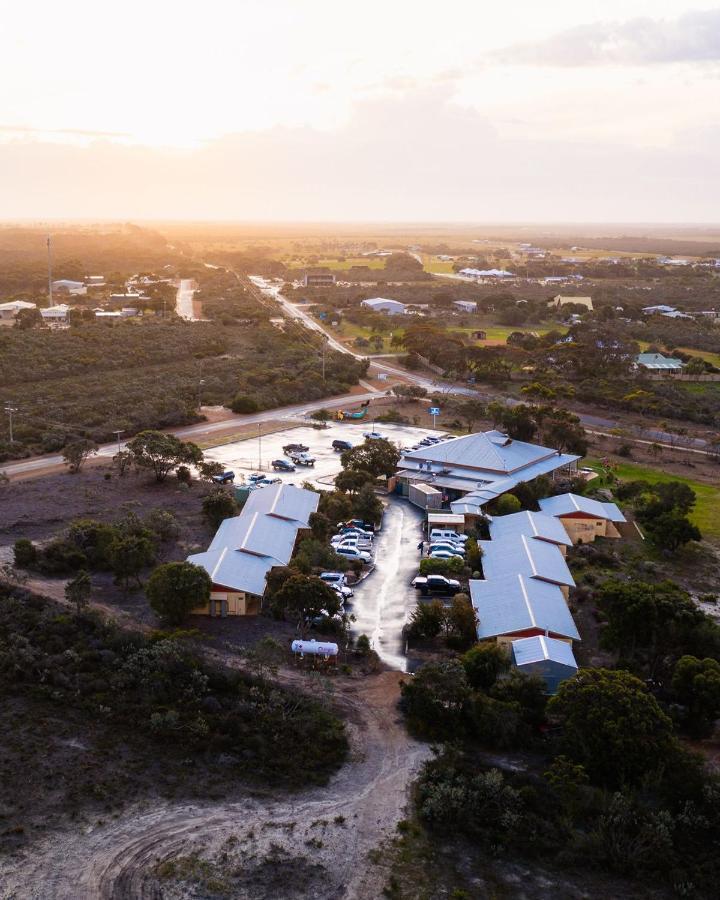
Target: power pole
x: 259, y: 447
x: 200, y: 384
x: 49, y: 254
x: 323, y: 358
x: 117, y: 432
x: 10, y: 410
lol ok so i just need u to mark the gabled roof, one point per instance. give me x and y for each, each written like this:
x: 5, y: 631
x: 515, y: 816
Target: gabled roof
x: 17, y: 305
x: 491, y: 451
x: 519, y: 554
x: 515, y: 603
x: 236, y: 570
x: 566, y: 504
x: 542, y: 649
x: 531, y: 524
x: 658, y: 361
x: 284, y: 501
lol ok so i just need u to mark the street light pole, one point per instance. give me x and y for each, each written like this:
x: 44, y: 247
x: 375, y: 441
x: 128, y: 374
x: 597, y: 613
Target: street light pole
x: 200, y: 384
x: 49, y: 255
x: 259, y: 447
x: 10, y: 410
x: 117, y: 432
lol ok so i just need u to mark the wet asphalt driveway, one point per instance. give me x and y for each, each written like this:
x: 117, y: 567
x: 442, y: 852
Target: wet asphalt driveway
x: 385, y: 599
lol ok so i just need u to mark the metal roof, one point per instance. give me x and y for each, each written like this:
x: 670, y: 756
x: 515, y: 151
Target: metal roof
x: 532, y: 524
x: 236, y: 569
x: 566, y: 504
x: 542, y: 649
x: 515, y: 602
x: 658, y: 361
x: 519, y: 554
x: 284, y: 501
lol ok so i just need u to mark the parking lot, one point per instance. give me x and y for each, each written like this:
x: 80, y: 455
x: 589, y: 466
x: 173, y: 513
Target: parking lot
x: 256, y: 454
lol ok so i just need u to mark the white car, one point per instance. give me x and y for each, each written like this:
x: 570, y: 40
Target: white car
x: 353, y: 553
x: 447, y: 545
x: 445, y: 534
x: 374, y: 436
x: 445, y: 554
x: 334, y: 578
x: 357, y: 545
x: 343, y: 591
x: 350, y: 539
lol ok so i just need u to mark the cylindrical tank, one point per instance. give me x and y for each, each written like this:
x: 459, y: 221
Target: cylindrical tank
x: 315, y: 648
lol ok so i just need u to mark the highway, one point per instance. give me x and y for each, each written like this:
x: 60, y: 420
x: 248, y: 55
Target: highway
x: 184, y: 299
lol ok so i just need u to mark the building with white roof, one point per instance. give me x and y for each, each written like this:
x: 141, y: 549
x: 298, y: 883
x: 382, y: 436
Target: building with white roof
x: 584, y: 518
x: 246, y: 547
x: 9, y: 310
x: 383, y: 305
x: 552, y: 660
x: 56, y: 315
x: 66, y: 286
x: 477, y: 468
x: 656, y: 362
x: 468, y: 306
x: 533, y: 525
x: 520, y: 554
x: 515, y: 606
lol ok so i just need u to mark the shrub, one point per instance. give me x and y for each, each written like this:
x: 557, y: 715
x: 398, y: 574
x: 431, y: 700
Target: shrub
x: 25, y: 553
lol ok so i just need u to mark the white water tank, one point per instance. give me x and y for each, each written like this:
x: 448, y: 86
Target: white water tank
x: 315, y: 648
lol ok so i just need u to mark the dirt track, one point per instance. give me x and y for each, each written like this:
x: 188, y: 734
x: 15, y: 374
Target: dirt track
x: 271, y: 832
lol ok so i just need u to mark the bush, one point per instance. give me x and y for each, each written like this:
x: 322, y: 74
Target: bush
x: 175, y: 589
x: 242, y: 403
x: 25, y: 553
x: 61, y: 557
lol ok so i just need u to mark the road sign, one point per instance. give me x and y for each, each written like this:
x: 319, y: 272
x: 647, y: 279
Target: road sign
x: 434, y: 410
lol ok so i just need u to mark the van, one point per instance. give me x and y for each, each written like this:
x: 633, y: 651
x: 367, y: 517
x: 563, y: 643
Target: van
x: 447, y: 534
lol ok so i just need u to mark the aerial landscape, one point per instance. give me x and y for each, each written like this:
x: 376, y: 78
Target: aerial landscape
x: 360, y: 451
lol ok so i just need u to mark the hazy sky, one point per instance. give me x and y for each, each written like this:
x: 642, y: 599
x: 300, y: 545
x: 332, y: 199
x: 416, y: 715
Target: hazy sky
x: 392, y: 110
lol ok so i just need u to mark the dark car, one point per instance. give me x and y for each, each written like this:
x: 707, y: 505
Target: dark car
x: 224, y: 478
x: 282, y: 465
x: 341, y: 445
x: 295, y: 448
x: 436, y: 584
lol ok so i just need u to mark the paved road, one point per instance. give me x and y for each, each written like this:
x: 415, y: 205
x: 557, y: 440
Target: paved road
x: 384, y: 601
x: 184, y: 299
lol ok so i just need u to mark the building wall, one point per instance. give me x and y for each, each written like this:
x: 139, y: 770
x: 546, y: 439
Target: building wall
x: 229, y: 603
x: 528, y: 632
x: 584, y: 529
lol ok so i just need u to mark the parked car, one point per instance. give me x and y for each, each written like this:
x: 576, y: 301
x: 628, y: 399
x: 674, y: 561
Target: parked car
x: 445, y: 554
x: 225, y: 477
x: 343, y: 591
x: 333, y: 577
x: 446, y: 534
x: 256, y: 476
x: 265, y: 482
x: 353, y: 553
x: 436, y: 584
x: 447, y: 545
x: 339, y: 445
x: 359, y: 523
x: 360, y: 543
x: 295, y: 448
x: 352, y: 529
x: 374, y: 436
x: 282, y: 465
x: 302, y: 459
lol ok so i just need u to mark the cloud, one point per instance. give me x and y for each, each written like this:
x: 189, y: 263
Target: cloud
x: 66, y: 132
x: 694, y: 38
x: 412, y: 157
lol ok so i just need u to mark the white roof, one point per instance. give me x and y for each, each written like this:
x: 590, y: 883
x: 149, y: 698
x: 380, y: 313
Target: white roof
x: 382, y: 301
x: 490, y: 451
x: 541, y: 649
x: 566, y: 504
x: 61, y: 309
x: 519, y: 554
x: 284, y: 501
x: 515, y: 603
x: 17, y: 305
x: 532, y: 524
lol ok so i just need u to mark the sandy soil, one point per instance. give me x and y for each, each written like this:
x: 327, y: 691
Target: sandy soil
x: 259, y: 842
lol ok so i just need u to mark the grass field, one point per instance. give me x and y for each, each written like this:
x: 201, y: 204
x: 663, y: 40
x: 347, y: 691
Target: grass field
x: 437, y: 266
x: 371, y: 262
x: 501, y: 332
x: 705, y: 513
x: 712, y: 358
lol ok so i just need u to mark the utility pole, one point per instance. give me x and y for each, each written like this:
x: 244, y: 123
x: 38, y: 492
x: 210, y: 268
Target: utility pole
x: 259, y: 447
x: 323, y: 358
x: 117, y: 432
x: 200, y: 384
x: 10, y: 410
x: 49, y: 255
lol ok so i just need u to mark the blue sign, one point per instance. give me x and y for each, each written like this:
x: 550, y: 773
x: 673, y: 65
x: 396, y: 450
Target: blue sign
x: 434, y: 410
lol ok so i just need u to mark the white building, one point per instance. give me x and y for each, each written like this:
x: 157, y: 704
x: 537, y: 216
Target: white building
x: 468, y: 306
x: 383, y: 305
x: 66, y: 286
x: 9, y: 310
x: 56, y: 315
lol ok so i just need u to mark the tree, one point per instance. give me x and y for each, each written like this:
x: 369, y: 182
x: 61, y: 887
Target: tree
x: 306, y: 597
x: 349, y: 481
x: 378, y: 456
x: 175, y: 589
x: 470, y: 411
x: 76, y: 452
x: 671, y: 530
x: 208, y: 470
x: 507, y: 504
x: 217, y: 506
x: 484, y: 664
x: 25, y: 553
x: 94, y: 539
x: 27, y: 319
x: 696, y: 684
x: 122, y: 460
x: 435, y: 700
x: 461, y: 622
x: 162, y: 452
x: 367, y: 505
x: 320, y: 526
x: 129, y: 555
x: 407, y: 391
x: 242, y: 404
x: 78, y: 590
x: 449, y: 567
x: 612, y: 726
x: 426, y: 621
x: 473, y: 554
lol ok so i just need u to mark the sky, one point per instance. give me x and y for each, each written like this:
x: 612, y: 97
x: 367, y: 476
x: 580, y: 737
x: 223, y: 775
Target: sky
x: 400, y: 110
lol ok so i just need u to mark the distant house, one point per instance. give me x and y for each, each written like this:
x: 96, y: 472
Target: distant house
x: 319, y: 278
x: 246, y: 547
x: 65, y: 286
x: 656, y: 362
x: 469, y: 306
x: 584, y: 518
x: 520, y: 554
x: 9, y: 310
x: 662, y: 309
x: 95, y: 280
x: 546, y: 657
x: 486, y: 273
x: 514, y: 606
x: 56, y: 315
x: 479, y: 335
x: 381, y: 304
x: 559, y: 301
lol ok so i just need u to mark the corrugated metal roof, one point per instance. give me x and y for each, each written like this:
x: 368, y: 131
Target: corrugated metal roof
x: 540, y: 649
x: 491, y: 451
x: 532, y: 524
x: 518, y: 553
x: 566, y: 504
x: 285, y: 501
x: 236, y: 569
x: 515, y: 602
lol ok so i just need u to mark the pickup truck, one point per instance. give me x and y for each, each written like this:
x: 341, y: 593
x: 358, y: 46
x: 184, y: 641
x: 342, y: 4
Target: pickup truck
x: 295, y: 448
x: 302, y: 459
x: 436, y: 584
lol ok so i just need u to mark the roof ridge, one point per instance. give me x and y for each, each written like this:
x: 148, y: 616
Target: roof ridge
x: 527, y: 600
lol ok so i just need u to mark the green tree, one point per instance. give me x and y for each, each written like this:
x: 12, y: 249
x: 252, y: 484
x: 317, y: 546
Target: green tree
x: 507, y: 504
x: 78, y: 591
x: 94, y: 539
x: 217, y: 506
x: 696, y: 684
x: 484, y: 664
x: 349, y: 481
x: 175, y: 589
x: 242, y: 404
x: 378, y: 456
x: 451, y: 568
x: 336, y: 506
x: 25, y: 553
x: 612, y: 726
x: 162, y: 452
x: 461, y: 622
x: 427, y: 620
x: 305, y: 597
x: 435, y: 700
x: 367, y: 505
x: 473, y: 554
x: 320, y: 526
x: 671, y: 530
x: 471, y: 411
x: 27, y: 319
x: 76, y: 452
x: 129, y: 555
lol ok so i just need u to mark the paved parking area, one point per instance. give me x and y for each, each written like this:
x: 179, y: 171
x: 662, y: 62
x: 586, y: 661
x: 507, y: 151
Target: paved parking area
x: 257, y: 454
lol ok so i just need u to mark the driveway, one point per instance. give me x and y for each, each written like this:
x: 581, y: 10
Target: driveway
x: 384, y: 600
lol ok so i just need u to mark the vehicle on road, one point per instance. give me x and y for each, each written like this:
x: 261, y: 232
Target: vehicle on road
x: 295, y: 448
x: 436, y: 584
x: 224, y: 477
x: 353, y: 553
x: 339, y: 446
x: 302, y: 459
x: 282, y: 465
x: 445, y: 554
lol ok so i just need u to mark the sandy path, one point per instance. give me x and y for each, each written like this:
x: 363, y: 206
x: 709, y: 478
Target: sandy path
x: 116, y: 859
